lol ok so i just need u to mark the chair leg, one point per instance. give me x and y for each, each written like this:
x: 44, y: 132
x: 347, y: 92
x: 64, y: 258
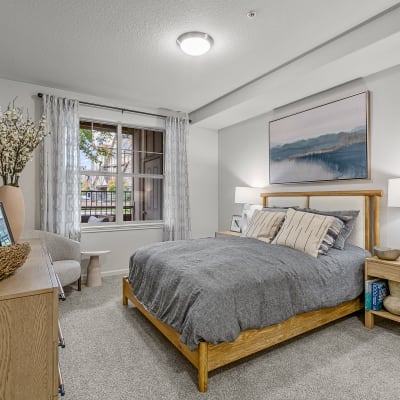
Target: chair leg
x: 80, y: 283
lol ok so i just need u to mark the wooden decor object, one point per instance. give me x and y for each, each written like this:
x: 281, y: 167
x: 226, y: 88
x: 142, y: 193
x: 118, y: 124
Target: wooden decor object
x: 208, y: 357
x: 12, y: 257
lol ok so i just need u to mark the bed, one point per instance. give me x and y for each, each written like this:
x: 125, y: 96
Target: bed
x: 208, y: 355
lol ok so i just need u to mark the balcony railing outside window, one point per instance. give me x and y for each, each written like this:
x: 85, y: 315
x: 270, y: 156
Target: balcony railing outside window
x: 101, y: 206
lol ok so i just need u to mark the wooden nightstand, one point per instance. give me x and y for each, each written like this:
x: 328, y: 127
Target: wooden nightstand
x: 377, y: 268
x: 227, y: 233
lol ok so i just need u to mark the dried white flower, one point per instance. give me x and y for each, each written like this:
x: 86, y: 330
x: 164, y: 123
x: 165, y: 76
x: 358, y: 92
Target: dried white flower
x: 18, y: 139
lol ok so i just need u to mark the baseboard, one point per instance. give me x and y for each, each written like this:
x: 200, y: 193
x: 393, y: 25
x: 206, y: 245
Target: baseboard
x: 122, y: 271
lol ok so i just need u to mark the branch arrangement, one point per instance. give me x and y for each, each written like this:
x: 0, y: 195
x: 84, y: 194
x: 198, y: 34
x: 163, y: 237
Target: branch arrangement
x: 18, y: 140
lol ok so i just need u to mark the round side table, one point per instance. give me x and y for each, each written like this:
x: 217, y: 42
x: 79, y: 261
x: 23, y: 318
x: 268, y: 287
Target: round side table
x: 93, y: 269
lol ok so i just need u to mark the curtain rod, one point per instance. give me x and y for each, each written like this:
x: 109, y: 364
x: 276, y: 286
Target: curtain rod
x: 85, y: 103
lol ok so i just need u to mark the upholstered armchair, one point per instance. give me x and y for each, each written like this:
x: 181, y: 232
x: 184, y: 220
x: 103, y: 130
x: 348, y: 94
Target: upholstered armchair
x: 66, y: 256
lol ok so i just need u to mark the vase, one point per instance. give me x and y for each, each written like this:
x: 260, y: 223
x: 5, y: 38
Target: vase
x: 13, y: 202
x: 392, y: 302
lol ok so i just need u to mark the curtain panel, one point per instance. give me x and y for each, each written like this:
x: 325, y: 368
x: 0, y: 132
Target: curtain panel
x: 59, y: 166
x: 176, y: 190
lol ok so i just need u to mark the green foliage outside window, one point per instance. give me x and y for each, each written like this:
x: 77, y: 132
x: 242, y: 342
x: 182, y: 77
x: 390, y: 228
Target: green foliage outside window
x: 95, y: 150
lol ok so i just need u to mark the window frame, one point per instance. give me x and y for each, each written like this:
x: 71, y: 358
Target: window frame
x: 119, y: 224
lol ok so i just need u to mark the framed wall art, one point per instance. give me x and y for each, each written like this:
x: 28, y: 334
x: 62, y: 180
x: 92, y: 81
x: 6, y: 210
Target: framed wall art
x: 324, y: 143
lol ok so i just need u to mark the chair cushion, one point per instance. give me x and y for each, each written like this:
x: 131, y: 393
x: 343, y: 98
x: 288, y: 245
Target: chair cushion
x: 68, y: 271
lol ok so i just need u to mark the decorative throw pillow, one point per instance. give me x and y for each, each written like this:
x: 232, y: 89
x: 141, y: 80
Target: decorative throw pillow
x: 349, y: 219
x: 331, y: 236
x: 264, y: 225
x: 247, y: 214
x: 304, y: 231
x: 92, y: 219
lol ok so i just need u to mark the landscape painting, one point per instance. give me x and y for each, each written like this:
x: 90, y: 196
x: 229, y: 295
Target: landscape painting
x: 325, y: 143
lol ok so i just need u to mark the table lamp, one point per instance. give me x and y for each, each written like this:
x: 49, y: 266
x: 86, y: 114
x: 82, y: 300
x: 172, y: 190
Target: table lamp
x: 392, y: 302
x: 394, y: 192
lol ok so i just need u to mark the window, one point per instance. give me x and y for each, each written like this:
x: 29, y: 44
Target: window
x: 121, y: 173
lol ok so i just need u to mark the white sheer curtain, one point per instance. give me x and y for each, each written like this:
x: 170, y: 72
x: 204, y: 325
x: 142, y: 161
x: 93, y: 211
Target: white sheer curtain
x: 176, y: 191
x: 59, y: 162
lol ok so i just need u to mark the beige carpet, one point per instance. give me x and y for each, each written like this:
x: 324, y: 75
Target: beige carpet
x: 112, y: 352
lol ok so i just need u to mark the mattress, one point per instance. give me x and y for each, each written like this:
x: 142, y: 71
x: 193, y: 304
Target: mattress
x: 212, y: 289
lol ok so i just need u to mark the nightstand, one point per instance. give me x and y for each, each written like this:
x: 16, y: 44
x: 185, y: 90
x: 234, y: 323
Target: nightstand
x: 377, y: 268
x: 227, y: 233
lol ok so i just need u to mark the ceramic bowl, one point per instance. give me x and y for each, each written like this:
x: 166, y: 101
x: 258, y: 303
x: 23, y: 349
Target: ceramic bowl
x: 386, y: 253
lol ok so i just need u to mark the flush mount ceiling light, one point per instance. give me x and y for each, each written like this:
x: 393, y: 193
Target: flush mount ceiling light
x: 195, y: 43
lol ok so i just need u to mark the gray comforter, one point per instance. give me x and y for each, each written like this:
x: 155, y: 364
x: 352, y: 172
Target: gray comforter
x: 211, y: 289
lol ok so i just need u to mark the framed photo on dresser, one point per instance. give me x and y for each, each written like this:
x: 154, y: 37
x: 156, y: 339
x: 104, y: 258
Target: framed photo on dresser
x: 6, y: 236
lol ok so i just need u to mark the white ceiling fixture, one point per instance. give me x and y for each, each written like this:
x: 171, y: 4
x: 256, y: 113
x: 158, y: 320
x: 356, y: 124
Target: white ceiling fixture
x: 195, y: 43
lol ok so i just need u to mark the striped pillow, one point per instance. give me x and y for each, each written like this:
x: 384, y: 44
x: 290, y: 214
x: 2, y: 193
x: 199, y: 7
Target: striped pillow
x: 264, y: 225
x: 304, y: 231
x: 331, y: 235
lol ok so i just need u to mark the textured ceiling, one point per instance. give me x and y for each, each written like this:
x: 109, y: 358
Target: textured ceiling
x: 125, y: 49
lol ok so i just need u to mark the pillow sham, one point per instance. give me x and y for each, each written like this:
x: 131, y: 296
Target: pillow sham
x: 347, y: 216
x: 305, y: 231
x: 247, y: 214
x: 331, y: 236
x: 264, y: 225
x: 93, y: 219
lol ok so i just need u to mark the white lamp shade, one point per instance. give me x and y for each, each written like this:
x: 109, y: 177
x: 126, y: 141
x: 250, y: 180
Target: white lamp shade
x: 394, y: 192
x: 248, y: 195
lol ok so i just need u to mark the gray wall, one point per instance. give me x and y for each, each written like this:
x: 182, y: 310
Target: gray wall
x: 243, y: 150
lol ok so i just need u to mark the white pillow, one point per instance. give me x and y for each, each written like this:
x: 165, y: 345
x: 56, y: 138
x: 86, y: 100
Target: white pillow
x: 264, y: 225
x: 92, y: 219
x: 247, y: 214
x: 303, y: 231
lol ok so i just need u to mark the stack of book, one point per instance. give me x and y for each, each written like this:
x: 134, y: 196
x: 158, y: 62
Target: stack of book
x: 375, y: 291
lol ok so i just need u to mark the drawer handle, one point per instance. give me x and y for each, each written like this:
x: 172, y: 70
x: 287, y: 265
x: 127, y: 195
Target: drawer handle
x: 61, y: 389
x: 61, y: 294
x: 61, y: 340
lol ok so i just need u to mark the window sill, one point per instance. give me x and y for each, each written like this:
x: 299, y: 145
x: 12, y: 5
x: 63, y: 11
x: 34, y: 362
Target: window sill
x: 112, y: 227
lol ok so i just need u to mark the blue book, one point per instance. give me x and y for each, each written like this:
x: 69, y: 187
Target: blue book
x: 368, y: 293
x: 379, y: 292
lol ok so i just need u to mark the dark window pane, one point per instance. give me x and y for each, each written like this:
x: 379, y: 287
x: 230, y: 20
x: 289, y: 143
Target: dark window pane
x: 142, y: 151
x: 148, y: 163
x: 142, y: 199
x: 154, y: 141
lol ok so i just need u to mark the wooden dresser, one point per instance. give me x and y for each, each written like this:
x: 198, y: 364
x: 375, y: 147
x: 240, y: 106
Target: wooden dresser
x: 29, y: 330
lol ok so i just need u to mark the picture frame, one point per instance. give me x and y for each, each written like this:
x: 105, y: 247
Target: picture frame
x: 6, y: 236
x: 329, y: 142
x: 235, y: 224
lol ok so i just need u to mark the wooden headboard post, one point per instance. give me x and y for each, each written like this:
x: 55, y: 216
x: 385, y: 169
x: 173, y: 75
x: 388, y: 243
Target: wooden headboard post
x: 371, y: 199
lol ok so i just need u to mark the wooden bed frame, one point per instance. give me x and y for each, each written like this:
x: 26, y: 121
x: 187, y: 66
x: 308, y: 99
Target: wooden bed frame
x: 208, y: 357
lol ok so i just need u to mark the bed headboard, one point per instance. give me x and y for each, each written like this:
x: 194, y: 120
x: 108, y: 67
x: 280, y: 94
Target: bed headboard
x: 366, y: 230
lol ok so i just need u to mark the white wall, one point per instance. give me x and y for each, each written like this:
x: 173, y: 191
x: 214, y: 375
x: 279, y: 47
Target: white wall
x: 203, y: 181
x: 203, y: 175
x: 243, y: 150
